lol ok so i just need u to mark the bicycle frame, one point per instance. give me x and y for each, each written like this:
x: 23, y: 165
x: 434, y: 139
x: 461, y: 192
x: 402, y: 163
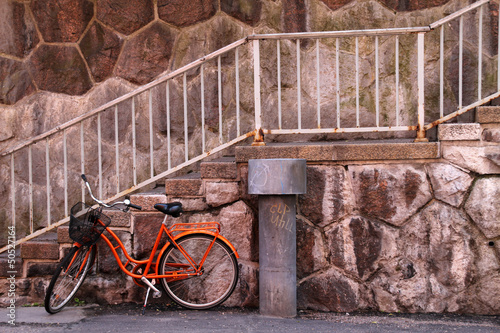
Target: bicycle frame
x: 173, y: 233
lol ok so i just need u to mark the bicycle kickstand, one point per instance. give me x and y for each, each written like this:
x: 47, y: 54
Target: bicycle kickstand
x: 156, y: 294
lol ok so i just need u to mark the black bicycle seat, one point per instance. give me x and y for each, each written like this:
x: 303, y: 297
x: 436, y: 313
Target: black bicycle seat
x: 174, y: 208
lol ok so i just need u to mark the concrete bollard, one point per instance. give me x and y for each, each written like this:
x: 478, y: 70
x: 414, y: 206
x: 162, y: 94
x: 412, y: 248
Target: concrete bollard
x: 277, y: 182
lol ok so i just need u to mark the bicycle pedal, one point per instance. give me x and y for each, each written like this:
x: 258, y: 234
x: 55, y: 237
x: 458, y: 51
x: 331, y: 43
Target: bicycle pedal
x: 157, y: 294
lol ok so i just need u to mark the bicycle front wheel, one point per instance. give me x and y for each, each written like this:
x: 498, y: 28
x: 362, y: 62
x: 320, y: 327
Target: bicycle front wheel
x: 69, y: 276
x: 219, y: 272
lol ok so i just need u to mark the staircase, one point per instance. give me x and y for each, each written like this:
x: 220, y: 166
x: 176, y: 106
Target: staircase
x: 218, y: 191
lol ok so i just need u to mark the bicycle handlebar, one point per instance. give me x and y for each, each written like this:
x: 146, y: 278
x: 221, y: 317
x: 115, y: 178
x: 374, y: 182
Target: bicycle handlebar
x: 126, y: 202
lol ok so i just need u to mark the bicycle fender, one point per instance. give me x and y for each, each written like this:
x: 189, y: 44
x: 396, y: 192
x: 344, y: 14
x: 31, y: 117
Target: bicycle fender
x: 185, y: 233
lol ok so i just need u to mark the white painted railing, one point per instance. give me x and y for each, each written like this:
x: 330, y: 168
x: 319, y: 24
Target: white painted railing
x: 266, y: 106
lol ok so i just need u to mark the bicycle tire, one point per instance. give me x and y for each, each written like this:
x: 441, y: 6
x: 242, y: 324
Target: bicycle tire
x: 68, y: 278
x: 214, y: 286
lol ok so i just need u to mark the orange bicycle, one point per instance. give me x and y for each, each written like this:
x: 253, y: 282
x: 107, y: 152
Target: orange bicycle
x: 197, y: 267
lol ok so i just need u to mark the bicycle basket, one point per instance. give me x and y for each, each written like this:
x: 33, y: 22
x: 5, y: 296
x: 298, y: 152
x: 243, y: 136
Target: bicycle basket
x: 86, y: 224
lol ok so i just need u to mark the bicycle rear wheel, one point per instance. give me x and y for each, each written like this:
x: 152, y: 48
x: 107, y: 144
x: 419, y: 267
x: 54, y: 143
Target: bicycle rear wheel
x: 69, y: 276
x: 213, y: 286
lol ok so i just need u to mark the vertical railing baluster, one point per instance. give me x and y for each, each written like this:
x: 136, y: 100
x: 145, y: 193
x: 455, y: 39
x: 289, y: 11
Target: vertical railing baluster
x: 498, y: 60
x: 82, y: 158
x: 219, y: 91
x: 337, y: 83
x: 397, y: 79
x: 134, y: 144
x: 13, y: 189
x: 99, y: 152
x: 441, y: 72
x: 420, y: 85
x: 117, y: 152
x: 186, y: 143
x: 357, y: 81
x: 460, y: 61
x: 318, y: 84
x: 299, y: 101
x: 30, y: 188
x: 377, y: 97
x: 203, y: 144
x: 256, y: 83
x: 237, y: 70
x: 480, y: 55
x: 47, y: 174
x: 169, y: 152
x: 278, y: 60
x: 151, y: 142
x: 65, y: 152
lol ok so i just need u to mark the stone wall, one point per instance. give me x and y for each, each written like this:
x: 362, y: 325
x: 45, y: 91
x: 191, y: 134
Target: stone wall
x: 396, y: 227
x: 71, y: 47
x: 60, y: 59
x: 68, y: 46
x: 415, y: 235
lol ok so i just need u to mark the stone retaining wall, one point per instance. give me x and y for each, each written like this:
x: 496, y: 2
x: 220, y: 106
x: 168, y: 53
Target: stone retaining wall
x: 397, y: 235
x: 62, y: 58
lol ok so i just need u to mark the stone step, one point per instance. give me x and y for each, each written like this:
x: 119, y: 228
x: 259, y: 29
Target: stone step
x: 148, y: 199
x: 186, y: 185
x: 221, y: 168
x: 45, y: 246
x: 488, y: 114
x: 342, y: 150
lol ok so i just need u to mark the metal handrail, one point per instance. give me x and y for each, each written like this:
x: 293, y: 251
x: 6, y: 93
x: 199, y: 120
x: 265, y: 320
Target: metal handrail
x: 343, y: 33
x: 458, y: 13
x: 127, y: 96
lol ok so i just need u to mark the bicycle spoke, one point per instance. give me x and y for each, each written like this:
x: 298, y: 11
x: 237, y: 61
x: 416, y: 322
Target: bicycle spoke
x: 218, y: 273
x: 68, y: 278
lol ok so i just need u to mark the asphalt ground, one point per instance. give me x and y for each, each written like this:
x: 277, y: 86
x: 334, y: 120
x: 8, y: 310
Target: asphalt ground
x: 128, y: 318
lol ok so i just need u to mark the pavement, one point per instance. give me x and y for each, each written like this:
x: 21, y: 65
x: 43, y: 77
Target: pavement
x: 128, y: 318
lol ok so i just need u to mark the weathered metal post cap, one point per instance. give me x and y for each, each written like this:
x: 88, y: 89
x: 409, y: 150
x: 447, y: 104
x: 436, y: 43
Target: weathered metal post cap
x: 277, y: 176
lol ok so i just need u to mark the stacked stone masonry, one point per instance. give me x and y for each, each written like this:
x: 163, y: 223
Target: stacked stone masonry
x: 69, y: 46
x: 405, y: 235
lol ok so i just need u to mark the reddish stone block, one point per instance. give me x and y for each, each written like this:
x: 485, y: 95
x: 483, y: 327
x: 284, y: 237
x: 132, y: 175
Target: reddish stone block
x: 22, y: 37
x: 101, y: 48
x: 15, y: 81
x: 40, y: 268
x: 247, y: 12
x: 146, y: 227
x: 60, y: 69
x: 294, y: 16
x: 328, y: 291
x: 40, y: 250
x: 23, y: 288
x: 62, y: 20
x: 224, y: 168
x: 190, y: 185
x: 367, y: 241
x: 118, y: 218
x: 5, y: 268
x: 63, y: 235
x: 305, y: 246
x: 106, y: 259
x: 183, y: 13
x: 125, y: 16
x: 146, y: 55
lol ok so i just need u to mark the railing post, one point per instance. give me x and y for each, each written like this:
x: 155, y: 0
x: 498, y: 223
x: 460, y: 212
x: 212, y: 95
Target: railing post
x: 259, y: 134
x: 420, y: 88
